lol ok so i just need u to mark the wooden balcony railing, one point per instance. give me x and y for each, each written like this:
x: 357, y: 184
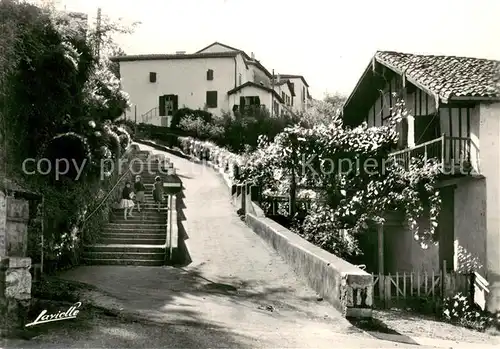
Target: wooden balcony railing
x: 452, y: 153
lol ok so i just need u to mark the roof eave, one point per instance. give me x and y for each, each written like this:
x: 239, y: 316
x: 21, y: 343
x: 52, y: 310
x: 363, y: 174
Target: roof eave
x: 252, y: 84
x: 474, y: 98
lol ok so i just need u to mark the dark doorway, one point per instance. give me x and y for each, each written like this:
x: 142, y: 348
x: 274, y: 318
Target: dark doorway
x: 446, y: 228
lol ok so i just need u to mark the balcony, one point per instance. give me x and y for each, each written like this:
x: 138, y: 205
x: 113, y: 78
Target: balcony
x: 455, y: 155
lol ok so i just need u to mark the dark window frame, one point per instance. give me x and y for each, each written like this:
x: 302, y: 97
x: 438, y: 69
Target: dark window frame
x: 152, y: 77
x: 210, y: 74
x: 210, y: 98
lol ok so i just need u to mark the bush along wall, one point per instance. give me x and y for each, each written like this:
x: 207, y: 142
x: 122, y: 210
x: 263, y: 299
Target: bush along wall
x: 58, y: 101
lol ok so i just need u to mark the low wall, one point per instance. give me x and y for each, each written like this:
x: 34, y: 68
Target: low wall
x: 344, y: 285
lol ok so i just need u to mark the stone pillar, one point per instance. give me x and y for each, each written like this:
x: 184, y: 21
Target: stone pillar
x: 15, y: 296
x: 15, y: 277
x: 489, y: 135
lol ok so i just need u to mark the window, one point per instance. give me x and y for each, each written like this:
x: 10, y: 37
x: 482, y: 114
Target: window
x: 152, y: 77
x: 303, y: 94
x: 247, y: 103
x: 283, y: 96
x: 211, y: 99
x: 168, y: 104
x: 276, y: 108
x: 210, y: 74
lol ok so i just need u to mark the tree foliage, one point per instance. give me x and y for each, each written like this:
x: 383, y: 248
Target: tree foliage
x: 360, y: 182
x: 56, y: 101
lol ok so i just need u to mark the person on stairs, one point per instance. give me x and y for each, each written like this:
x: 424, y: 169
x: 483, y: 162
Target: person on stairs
x: 139, y: 192
x: 158, y: 191
x: 126, y: 203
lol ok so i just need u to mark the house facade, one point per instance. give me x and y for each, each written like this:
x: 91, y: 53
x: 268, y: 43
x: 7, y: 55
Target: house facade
x: 217, y: 78
x: 454, y: 115
x: 300, y: 86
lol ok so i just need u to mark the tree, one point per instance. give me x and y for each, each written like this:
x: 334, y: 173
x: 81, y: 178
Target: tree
x: 337, y: 100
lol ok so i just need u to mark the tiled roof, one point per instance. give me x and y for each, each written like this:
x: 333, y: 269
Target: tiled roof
x: 153, y: 57
x: 292, y: 76
x: 259, y: 86
x: 447, y: 76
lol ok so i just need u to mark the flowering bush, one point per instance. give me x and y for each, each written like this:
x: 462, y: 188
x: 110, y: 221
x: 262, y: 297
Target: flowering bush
x: 358, y: 196
x: 457, y: 309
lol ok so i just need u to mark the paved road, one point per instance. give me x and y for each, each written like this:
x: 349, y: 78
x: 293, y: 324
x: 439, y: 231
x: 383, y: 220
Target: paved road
x: 237, y: 292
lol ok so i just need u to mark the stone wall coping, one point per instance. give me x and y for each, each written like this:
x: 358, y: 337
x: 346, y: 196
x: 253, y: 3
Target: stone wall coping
x: 331, y: 260
x: 15, y: 262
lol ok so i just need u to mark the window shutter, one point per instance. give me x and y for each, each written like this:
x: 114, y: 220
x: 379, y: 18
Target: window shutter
x: 210, y: 74
x: 152, y: 77
x: 161, y: 104
x: 257, y: 100
x: 211, y: 100
x: 175, y: 103
x: 242, y: 104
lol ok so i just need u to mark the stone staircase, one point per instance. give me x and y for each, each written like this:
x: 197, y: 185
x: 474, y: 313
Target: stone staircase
x: 139, y: 240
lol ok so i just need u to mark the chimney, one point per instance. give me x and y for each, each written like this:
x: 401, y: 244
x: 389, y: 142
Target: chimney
x: 252, y: 55
x: 278, y: 78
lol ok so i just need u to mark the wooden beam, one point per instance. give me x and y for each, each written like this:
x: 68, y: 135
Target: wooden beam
x: 476, y: 99
x: 381, y: 283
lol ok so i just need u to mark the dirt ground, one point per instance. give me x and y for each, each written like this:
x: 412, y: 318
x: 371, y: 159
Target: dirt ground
x: 413, y: 325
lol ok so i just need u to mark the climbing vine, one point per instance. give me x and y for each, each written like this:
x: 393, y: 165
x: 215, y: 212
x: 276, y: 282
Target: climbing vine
x: 360, y: 182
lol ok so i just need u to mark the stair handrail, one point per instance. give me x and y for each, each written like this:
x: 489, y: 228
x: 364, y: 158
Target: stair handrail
x: 106, y: 197
x: 146, y: 116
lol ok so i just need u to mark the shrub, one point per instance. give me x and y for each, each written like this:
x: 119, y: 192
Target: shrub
x: 182, y: 113
x: 459, y: 310
x: 320, y: 228
x: 201, y: 129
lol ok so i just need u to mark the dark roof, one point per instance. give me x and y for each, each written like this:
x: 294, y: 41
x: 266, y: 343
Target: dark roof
x: 158, y: 57
x: 248, y: 59
x: 446, y: 76
x: 253, y: 84
x: 11, y: 187
x: 223, y: 45
x: 291, y: 76
x: 443, y: 77
x: 260, y: 66
x: 282, y: 82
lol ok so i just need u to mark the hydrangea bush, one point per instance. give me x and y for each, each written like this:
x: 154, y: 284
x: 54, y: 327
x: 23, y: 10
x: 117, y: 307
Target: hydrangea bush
x: 459, y: 310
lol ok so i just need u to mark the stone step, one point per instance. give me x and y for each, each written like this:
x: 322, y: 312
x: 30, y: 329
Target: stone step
x: 152, y: 263
x: 141, y: 216
x: 138, y: 256
x: 118, y: 218
x: 160, y: 236
x: 135, y: 225
x: 130, y: 241
x: 120, y: 248
x: 124, y: 229
x: 145, y: 210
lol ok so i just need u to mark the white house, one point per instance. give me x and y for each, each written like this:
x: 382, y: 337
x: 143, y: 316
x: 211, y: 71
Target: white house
x: 301, y: 89
x: 217, y: 78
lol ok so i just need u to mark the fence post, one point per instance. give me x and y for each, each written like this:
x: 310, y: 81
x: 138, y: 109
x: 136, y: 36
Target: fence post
x: 472, y: 281
x: 381, y: 281
x: 444, y: 292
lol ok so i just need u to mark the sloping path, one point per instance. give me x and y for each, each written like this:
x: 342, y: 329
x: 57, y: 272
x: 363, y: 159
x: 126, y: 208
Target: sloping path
x: 236, y: 286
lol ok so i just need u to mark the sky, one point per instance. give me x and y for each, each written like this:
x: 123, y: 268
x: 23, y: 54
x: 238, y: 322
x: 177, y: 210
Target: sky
x: 329, y: 42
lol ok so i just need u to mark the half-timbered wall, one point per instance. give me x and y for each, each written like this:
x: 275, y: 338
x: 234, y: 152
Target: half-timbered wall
x: 450, y: 120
